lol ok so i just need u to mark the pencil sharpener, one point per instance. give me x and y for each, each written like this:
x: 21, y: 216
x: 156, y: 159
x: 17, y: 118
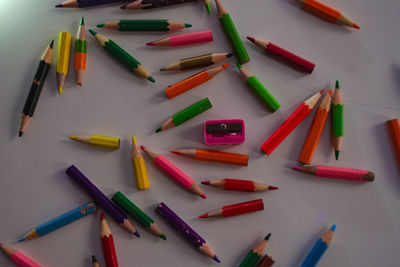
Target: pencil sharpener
x: 224, y: 132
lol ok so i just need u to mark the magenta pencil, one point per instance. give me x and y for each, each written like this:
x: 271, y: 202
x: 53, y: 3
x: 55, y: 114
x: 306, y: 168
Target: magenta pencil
x: 184, y: 39
x: 17, y: 257
x: 338, y: 173
x: 300, y: 62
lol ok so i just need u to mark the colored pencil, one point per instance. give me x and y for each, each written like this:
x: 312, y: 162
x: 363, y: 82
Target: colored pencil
x: 36, y: 88
x: 319, y: 248
x: 239, y: 185
x: 214, y: 156
x: 174, y: 172
x: 184, y: 39
x: 95, y: 262
x: 259, y: 89
x: 85, y: 3
x: 314, y: 134
x: 107, y: 241
x: 255, y: 254
x: 64, y: 48
x: 182, y: 227
x: 197, y: 61
x: 186, y: 114
x: 18, y: 257
x: 207, y: 5
x: 98, y: 140
x: 124, y: 203
x: 232, y: 34
x: 60, y: 221
x: 100, y: 199
x: 193, y: 81
x: 80, y: 53
x: 337, y: 120
x: 236, y: 209
x: 394, y: 130
x: 144, y: 25
x: 290, y: 123
x: 326, y: 12
x: 148, y: 4
x: 139, y: 166
x: 338, y: 173
x: 120, y: 54
x: 289, y: 57
x: 266, y: 261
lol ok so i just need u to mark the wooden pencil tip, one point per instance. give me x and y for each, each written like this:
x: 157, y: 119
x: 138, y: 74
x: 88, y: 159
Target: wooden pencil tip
x: 136, y: 234
x: 322, y: 91
x: 73, y: 137
x: 238, y: 65
x: 187, y: 25
x: 51, y: 43
x: 333, y: 228
x: 356, y: 26
x: 82, y: 21
x: 271, y: 187
x: 60, y: 90
x: 143, y: 147
x: 208, y: 7
x: 205, y: 182
x: 225, y: 66
x: 216, y: 259
x: 330, y: 92
x: 337, y: 154
x: 151, y: 79
x: 22, y: 239
x: 79, y: 83
x: 230, y: 55
x: 252, y: 39
x: 203, y: 216
x: 162, y: 69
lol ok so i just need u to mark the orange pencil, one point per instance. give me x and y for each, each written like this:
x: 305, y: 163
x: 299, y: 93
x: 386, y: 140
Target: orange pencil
x: 326, y: 12
x: 193, y: 81
x: 394, y: 130
x: 214, y: 156
x: 316, y: 129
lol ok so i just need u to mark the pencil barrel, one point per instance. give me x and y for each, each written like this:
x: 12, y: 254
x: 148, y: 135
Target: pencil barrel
x: 121, y: 55
x: 192, y: 111
x: 394, y: 130
x: 263, y: 94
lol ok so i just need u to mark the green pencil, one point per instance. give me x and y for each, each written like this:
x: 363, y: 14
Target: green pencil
x: 186, y: 114
x: 120, y: 54
x: 232, y: 34
x: 150, y: 25
x: 337, y: 120
x: 255, y: 254
x: 268, y: 100
x: 124, y: 203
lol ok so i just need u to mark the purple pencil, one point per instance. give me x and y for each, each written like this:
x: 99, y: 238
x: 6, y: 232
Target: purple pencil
x: 173, y: 219
x: 101, y: 199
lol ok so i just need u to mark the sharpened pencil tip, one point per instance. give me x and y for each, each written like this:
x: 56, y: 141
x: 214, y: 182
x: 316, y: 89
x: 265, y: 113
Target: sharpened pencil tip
x: 187, y: 25
x: 175, y: 152
x: 20, y: 133
x: 82, y: 21
x: 102, y: 217
x: 204, y: 196
x: 79, y: 83
x: 162, y: 69
x: 337, y: 84
x: 267, y: 237
x: 60, y: 90
x: 94, y: 260
x: 73, y: 137
x: 163, y: 236
x: 238, y: 65
x: 216, y: 259
x: 22, y: 239
x: 208, y: 7
x: 92, y: 32
x: 225, y: 66
x: 136, y: 234
x: 322, y: 91
x: 51, y: 43
x: 151, y: 79
x: 333, y: 228
x: 150, y: 43
x: 251, y: 39
x: 59, y: 5
x: 143, y: 147
x: 337, y: 154
x: 158, y: 130
x: 296, y: 168
x: 101, y: 25
x: 271, y: 187
x: 230, y: 55
x: 356, y: 26
x: 205, y: 182
x: 203, y: 216
x: 122, y: 7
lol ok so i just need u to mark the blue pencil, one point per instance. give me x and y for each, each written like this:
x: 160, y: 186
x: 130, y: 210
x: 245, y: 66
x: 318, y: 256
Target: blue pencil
x: 319, y: 248
x: 60, y: 221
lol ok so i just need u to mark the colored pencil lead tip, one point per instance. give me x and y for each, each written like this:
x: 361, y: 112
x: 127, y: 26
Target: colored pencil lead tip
x: 267, y: 237
x: 92, y: 32
x: 230, y: 54
x: 175, y: 152
x: 20, y: 133
x: 143, y: 147
x: 251, y: 39
x: 162, y: 69
x: 225, y: 66
x: 79, y: 83
x: 150, y: 43
x: 337, y: 154
x: 60, y: 90
x: 322, y: 91
x: 123, y: 7
x: 204, y: 196
x: 59, y: 5
x: 333, y: 228
x: 208, y: 7
x: 187, y: 25
x: 271, y: 187
x: 94, y: 260
x: 203, y: 216
x: 330, y: 92
x: 158, y: 130
x: 136, y: 234
x: 216, y: 259
x: 51, y: 43
x: 102, y: 217
x: 151, y: 79
x: 101, y: 25
x: 163, y: 236
x: 238, y: 65
x: 82, y: 21
x: 337, y: 84
x: 22, y: 239
x: 356, y: 26
x: 296, y: 168
x: 73, y: 137
x: 205, y: 182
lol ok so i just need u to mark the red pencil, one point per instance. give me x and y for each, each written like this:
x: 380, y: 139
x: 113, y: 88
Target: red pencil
x: 108, y: 243
x: 290, y: 123
x: 236, y: 209
x: 240, y: 185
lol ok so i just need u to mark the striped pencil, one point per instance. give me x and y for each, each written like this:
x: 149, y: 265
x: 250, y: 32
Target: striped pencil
x: 139, y: 166
x: 107, y: 241
x: 319, y: 248
x: 197, y: 61
x: 290, y: 123
x: 326, y: 12
x: 239, y: 185
x: 175, y: 221
x: 80, y: 53
x: 85, y: 3
x: 337, y: 120
x: 117, y: 52
x: 36, y: 88
x: 255, y: 254
x: 64, y: 49
x: 214, y: 156
x: 95, y: 262
x: 148, y: 4
x: 174, y: 172
x: 18, y: 257
x: 236, y: 209
x: 60, y: 221
x: 207, y: 5
x: 184, y: 39
x: 314, y: 134
x: 338, y: 173
x: 143, y: 25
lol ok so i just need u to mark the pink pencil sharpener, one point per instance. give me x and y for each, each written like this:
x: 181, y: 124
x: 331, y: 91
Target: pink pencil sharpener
x: 224, y: 132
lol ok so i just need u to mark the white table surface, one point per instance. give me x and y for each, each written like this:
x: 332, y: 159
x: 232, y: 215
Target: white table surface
x: 114, y: 102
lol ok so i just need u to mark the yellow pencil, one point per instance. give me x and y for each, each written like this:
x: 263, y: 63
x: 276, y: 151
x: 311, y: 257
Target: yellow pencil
x: 97, y: 140
x: 64, y: 47
x: 142, y: 180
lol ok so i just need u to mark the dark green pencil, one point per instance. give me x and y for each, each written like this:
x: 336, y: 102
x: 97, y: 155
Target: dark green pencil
x: 337, y: 120
x: 255, y: 254
x: 150, y: 25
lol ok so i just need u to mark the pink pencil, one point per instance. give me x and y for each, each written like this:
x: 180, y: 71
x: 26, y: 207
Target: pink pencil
x: 173, y: 171
x: 17, y: 257
x: 184, y: 39
x: 338, y: 173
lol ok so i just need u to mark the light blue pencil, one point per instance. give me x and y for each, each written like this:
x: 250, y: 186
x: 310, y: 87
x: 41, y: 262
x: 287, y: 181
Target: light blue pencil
x: 319, y: 248
x: 60, y: 221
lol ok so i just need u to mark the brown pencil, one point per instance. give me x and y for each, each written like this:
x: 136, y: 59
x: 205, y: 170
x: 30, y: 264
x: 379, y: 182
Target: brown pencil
x: 197, y: 61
